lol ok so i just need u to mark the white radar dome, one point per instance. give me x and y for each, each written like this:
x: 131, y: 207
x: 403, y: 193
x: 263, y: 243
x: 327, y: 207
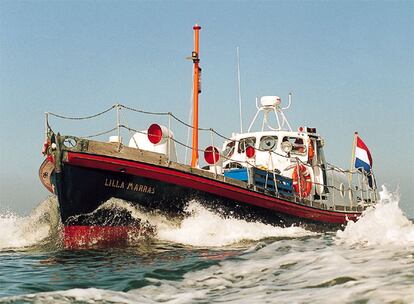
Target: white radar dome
x: 270, y: 101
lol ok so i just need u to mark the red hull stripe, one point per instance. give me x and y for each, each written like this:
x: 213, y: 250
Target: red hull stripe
x: 80, y: 236
x: 207, y: 185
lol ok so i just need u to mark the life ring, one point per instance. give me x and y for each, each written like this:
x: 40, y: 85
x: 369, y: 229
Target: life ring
x: 302, y: 181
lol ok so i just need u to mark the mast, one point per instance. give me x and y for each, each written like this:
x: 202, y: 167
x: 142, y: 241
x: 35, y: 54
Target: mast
x: 196, y: 91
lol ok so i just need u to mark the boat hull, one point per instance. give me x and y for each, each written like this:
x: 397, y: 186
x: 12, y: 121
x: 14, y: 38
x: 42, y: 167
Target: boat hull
x: 87, y: 181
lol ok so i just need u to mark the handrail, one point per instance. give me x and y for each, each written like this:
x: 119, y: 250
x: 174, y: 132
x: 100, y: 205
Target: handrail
x: 84, y: 117
x: 180, y: 121
x: 327, y: 166
x: 246, y: 163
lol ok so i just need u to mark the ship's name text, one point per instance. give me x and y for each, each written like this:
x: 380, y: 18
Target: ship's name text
x: 119, y: 184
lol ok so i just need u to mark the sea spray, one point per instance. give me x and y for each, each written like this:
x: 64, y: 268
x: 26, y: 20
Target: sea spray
x: 384, y: 223
x: 200, y: 226
x: 205, y: 228
x: 381, y: 224
x: 279, y: 269
x: 41, y: 226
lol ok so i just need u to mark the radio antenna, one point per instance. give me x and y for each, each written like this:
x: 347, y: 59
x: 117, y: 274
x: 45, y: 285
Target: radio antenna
x: 238, y: 85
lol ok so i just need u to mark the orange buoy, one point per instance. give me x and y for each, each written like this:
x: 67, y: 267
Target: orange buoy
x: 302, y: 181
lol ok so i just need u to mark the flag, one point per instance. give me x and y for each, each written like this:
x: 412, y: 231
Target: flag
x: 363, y: 157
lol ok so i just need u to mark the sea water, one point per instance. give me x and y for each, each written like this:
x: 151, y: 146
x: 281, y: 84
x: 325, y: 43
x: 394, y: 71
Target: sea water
x: 208, y: 259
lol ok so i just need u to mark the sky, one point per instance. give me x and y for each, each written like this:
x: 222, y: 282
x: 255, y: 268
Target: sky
x: 349, y: 65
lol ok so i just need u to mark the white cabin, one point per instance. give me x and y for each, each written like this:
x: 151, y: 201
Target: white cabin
x: 284, y: 152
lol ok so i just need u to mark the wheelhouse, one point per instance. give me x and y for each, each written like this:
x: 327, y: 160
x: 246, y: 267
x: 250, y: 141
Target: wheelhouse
x: 271, y: 149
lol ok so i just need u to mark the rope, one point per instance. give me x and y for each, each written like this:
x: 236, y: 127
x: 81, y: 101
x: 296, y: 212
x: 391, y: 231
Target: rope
x: 173, y: 139
x: 99, y: 134
x: 328, y: 165
x: 186, y: 124
x: 144, y: 112
x: 163, y: 114
x: 183, y: 123
x: 82, y: 118
x: 245, y: 162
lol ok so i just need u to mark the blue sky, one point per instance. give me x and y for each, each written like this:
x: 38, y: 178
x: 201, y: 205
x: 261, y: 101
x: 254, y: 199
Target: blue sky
x: 349, y: 65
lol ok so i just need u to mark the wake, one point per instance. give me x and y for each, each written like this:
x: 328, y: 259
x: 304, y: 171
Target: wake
x: 41, y: 227
x: 382, y: 224
x: 202, y: 228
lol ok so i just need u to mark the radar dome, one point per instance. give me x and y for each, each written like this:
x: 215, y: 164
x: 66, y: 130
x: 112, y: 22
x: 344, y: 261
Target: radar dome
x: 270, y: 101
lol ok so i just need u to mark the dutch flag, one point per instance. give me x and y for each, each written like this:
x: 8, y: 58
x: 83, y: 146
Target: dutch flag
x: 363, y: 159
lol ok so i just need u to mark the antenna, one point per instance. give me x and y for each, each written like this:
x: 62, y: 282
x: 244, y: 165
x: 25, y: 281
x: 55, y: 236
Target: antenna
x: 239, y: 93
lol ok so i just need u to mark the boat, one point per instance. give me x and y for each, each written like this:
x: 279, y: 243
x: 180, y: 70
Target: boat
x: 275, y: 174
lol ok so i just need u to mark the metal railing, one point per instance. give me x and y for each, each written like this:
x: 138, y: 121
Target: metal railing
x: 358, y: 193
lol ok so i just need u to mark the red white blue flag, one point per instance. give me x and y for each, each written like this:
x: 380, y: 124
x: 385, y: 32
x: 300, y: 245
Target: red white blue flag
x: 363, y: 159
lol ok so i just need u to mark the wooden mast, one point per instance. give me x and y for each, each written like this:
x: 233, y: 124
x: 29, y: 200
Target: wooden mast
x: 196, y: 91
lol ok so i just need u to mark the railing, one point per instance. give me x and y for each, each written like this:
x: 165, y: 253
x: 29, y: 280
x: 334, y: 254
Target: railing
x: 334, y: 192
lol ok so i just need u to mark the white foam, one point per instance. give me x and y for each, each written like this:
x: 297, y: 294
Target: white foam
x: 79, y: 295
x: 202, y: 228
x: 205, y: 228
x: 382, y: 224
x: 19, y: 232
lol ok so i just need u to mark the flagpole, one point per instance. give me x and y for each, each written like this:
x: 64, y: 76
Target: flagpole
x: 374, y: 181
x: 351, y: 167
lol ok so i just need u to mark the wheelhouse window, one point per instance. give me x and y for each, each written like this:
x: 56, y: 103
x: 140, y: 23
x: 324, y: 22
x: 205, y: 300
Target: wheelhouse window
x: 233, y: 165
x: 229, y: 150
x: 298, y: 144
x: 268, y: 143
x: 245, y: 142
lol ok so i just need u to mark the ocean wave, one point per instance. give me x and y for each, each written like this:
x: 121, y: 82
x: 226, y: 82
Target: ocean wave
x: 40, y: 227
x: 77, y: 295
x: 382, y: 224
x: 205, y: 228
x: 201, y: 227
